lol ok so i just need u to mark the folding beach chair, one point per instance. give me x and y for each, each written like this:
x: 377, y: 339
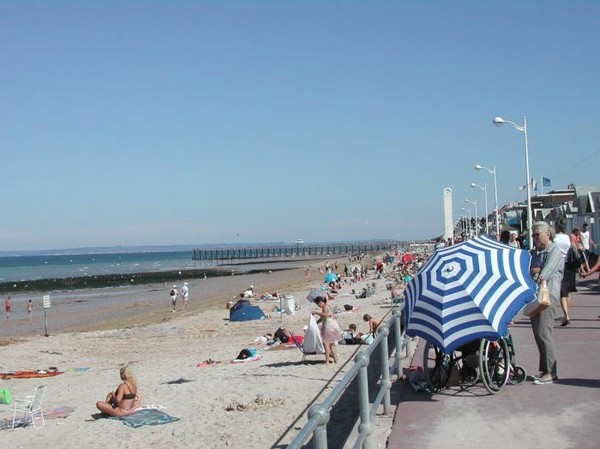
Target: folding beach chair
x: 31, y: 407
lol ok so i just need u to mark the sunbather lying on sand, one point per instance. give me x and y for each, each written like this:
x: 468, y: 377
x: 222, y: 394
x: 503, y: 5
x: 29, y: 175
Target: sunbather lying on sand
x: 125, y: 399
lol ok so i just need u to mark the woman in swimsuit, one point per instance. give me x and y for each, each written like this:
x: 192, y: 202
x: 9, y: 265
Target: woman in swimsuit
x: 125, y: 399
x: 330, y: 331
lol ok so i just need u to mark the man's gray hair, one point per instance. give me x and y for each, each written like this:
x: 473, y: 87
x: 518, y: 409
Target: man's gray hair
x: 542, y: 226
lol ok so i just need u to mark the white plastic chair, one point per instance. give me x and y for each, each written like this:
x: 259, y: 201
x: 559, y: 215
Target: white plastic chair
x: 31, y: 406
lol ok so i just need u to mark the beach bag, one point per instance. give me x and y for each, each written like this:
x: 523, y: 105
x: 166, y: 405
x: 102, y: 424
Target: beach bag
x: 5, y: 397
x: 367, y: 339
x: 541, y: 302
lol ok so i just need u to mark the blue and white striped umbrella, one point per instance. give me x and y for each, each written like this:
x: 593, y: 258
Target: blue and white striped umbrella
x: 467, y: 291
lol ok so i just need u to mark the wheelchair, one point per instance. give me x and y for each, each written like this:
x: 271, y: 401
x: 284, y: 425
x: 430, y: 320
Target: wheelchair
x: 492, y: 362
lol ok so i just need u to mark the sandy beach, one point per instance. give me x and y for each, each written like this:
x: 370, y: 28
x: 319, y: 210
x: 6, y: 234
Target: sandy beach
x: 257, y: 404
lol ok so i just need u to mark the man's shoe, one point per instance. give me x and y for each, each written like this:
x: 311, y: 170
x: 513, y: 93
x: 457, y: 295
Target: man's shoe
x: 545, y: 379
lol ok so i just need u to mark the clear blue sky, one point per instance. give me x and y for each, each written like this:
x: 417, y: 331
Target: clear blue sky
x: 176, y: 122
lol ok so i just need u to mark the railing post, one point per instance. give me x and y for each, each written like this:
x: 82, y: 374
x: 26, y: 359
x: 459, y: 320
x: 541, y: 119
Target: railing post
x: 386, y: 383
x: 320, y: 433
x: 397, y: 313
x: 363, y: 399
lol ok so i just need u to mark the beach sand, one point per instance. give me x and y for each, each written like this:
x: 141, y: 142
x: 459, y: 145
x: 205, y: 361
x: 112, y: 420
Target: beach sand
x: 257, y: 404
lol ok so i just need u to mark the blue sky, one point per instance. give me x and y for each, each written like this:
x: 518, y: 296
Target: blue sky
x: 190, y: 122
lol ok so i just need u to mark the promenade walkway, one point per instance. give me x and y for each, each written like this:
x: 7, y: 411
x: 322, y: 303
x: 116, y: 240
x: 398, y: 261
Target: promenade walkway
x: 561, y: 415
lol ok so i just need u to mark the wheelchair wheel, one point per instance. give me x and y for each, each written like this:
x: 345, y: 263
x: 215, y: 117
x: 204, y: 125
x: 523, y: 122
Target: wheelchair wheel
x: 494, y: 364
x: 517, y: 375
x: 437, y: 367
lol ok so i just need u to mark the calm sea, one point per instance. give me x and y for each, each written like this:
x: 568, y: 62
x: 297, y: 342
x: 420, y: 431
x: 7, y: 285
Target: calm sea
x: 21, y: 268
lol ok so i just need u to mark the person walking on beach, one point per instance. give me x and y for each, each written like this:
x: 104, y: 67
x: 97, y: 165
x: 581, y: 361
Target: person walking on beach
x: 184, y: 295
x: 8, y: 307
x: 174, y: 293
x: 30, y: 310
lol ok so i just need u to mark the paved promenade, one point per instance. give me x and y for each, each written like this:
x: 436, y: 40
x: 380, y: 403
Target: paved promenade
x: 562, y: 415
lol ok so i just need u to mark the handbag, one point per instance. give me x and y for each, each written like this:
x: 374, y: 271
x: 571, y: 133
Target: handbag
x: 541, y: 301
x: 367, y: 338
x: 573, y: 259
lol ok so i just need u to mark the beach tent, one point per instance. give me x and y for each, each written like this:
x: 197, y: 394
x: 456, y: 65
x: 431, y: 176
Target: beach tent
x: 243, y: 310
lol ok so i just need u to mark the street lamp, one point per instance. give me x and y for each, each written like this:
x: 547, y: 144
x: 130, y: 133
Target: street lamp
x: 484, y: 188
x: 476, y: 216
x: 493, y: 172
x: 500, y: 121
x: 468, y: 221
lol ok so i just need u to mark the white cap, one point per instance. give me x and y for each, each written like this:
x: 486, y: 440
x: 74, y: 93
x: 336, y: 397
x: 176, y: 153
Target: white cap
x: 185, y: 283
x: 174, y: 286
x: 251, y: 287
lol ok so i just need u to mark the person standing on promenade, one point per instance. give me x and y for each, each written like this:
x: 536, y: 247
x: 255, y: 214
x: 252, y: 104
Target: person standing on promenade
x: 569, y: 280
x: 185, y: 295
x: 173, y: 294
x: 576, y: 242
x: 30, y: 310
x: 546, y: 265
x: 512, y: 240
x: 587, y: 242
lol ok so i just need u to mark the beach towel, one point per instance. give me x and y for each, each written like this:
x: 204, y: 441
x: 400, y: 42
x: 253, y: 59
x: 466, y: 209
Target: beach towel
x: 147, y: 417
x: 23, y: 421
x: 29, y: 374
x: 58, y: 412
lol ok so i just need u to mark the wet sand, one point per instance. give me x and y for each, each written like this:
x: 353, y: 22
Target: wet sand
x: 120, y: 307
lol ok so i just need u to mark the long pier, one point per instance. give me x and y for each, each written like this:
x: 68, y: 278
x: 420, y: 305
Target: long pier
x: 300, y: 249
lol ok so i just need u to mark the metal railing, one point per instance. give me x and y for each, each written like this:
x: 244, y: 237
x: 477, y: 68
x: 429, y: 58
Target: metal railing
x: 319, y: 414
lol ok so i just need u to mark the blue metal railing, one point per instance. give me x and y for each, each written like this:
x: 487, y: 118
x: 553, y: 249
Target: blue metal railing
x: 319, y: 414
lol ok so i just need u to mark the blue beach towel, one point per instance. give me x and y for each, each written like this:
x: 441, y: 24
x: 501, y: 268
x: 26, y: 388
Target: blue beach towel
x: 147, y: 417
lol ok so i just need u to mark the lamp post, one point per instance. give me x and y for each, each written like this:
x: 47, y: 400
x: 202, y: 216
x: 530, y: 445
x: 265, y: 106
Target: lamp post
x: 484, y: 188
x: 476, y: 216
x: 500, y: 121
x: 493, y: 172
x: 468, y: 221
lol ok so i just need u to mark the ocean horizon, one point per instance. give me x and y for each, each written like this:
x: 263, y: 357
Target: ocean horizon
x: 36, y: 265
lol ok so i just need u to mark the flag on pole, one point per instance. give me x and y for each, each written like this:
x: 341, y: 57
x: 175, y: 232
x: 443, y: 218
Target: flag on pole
x: 534, y: 184
x: 546, y: 182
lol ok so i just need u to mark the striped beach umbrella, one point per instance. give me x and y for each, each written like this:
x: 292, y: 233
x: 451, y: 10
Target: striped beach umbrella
x: 467, y: 291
